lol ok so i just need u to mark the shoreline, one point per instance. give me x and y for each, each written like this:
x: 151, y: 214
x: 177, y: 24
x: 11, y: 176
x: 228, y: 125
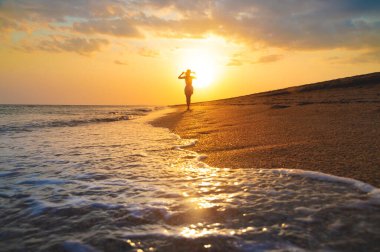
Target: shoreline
x: 330, y: 130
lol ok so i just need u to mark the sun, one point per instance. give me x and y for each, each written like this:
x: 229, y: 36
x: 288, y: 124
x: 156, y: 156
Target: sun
x: 203, y: 63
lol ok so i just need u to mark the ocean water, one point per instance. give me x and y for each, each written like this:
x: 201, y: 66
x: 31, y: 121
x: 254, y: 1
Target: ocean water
x: 100, y: 178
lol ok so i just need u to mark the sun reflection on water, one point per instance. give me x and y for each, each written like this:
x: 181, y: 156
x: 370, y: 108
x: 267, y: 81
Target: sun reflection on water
x: 200, y: 230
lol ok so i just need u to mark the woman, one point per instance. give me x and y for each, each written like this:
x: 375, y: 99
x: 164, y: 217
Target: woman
x: 189, y: 85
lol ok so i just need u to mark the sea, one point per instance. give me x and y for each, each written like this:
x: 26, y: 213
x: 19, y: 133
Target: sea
x: 101, y: 178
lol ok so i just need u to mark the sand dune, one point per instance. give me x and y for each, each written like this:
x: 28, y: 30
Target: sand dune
x: 332, y: 127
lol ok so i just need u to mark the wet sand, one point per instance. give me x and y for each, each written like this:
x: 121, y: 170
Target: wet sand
x: 332, y: 127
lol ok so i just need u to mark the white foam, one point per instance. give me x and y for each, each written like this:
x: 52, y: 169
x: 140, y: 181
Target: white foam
x: 158, y: 113
x: 106, y: 205
x: 331, y: 178
x: 306, y: 210
x: 189, y: 143
x: 186, y: 143
x: 201, y: 157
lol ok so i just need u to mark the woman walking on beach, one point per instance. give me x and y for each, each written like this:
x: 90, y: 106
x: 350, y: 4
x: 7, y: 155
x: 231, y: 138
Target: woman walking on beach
x: 189, y: 85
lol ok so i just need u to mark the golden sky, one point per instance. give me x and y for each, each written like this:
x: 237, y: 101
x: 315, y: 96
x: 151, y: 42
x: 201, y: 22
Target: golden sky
x: 131, y: 52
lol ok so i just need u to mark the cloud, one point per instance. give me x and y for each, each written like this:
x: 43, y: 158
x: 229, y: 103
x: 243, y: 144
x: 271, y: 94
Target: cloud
x: 294, y: 24
x: 81, y: 46
x: 287, y: 24
x: 118, y: 62
x: 7, y: 25
x: 372, y: 56
x: 178, y: 28
x: 235, y: 62
x: 302, y: 24
x: 57, y: 10
x: 117, y: 27
x: 239, y: 59
x: 146, y: 52
x: 269, y: 58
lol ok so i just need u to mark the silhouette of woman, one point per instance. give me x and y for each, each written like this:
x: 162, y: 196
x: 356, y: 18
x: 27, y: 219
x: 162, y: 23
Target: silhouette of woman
x: 189, y: 85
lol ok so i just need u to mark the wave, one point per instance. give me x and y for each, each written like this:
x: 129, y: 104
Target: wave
x: 362, y: 186
x: 61, y: 123
x: 23, y: 118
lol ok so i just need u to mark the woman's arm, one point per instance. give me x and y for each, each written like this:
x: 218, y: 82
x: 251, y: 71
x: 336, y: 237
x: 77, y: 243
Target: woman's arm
x: 180, y: 76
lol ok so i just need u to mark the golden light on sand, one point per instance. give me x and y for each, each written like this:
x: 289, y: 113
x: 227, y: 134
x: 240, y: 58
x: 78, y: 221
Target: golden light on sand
x: 202, y: 61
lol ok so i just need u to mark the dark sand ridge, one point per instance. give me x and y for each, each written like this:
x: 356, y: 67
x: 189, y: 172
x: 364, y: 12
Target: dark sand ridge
x: 331, y: 127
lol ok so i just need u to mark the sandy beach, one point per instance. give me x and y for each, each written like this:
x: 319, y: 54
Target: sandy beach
x: 332, y: 127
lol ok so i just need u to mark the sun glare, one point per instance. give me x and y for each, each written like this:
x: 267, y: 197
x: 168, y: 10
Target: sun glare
x: 203, y: 63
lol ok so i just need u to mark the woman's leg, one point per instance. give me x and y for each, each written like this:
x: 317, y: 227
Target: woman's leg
x: 188, y: 101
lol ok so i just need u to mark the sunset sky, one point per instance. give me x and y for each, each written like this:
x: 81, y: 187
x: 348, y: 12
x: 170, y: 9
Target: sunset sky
x: 131, y: 52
